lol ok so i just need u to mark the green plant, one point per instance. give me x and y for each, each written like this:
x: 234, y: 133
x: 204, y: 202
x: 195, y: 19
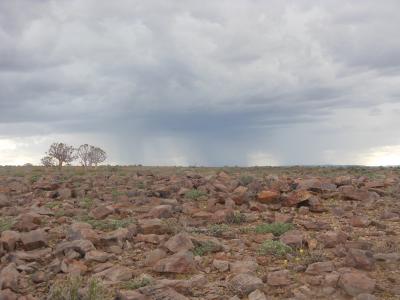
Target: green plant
x: 276, y: 229
x: 236, y: 218
x: 246, y: 179
x: 34, y: 178
x: 115, y: 194
x: 95, y: 290
x: 217, y: 229
x: 135, y: 283
x: 53, y: 204
x: 6, y: 223
x: 194, y: 194
x: 173, y: 226
x: 86, y: 203
x: 69, y: 290
x: 204, y: 248
x: 275, y: 248
x: 109, y: 224
x: 141, y: 185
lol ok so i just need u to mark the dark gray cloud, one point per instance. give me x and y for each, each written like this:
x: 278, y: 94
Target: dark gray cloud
x: 181, y: 82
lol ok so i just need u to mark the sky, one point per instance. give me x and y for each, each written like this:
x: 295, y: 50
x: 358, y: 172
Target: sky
x: 188, y: 82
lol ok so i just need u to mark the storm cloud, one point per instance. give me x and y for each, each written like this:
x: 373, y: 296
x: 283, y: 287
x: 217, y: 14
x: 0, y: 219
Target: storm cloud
x: 202, y: 83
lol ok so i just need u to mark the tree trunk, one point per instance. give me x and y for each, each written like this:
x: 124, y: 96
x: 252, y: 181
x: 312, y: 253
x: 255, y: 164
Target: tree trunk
x: 60, y: 164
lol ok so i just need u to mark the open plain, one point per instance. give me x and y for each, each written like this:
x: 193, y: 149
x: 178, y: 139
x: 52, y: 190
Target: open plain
x: 176, y: 233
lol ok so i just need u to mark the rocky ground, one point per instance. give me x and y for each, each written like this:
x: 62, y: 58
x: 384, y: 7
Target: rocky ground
x: 200, y: 233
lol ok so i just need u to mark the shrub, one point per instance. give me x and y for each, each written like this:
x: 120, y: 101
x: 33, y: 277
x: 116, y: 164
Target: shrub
x: 69, y: 289
x: 217, y: 229
x: 6, y: 223
x: 135, y: 283
x: 86, y: 203
x: 194, y: 194
x: 276, y: 229
x: 204, y: 248
x: 108, y: 224
x: 246, y: 179
x: 236, y: 218
x: 275, y: 248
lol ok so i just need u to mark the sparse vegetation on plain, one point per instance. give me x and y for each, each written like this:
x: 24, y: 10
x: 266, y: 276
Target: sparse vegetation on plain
x: 276, y: 229
x: 70, y: 222
x: 275, y: 248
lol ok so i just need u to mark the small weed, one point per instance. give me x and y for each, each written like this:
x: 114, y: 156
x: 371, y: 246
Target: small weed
x: 135, y: 283
x: 53, y: 204
x: 236, y: 218
x: 6, y: 223
x: 204, y: 248
x: 246, y: 229
x: 173, y: 226
x: 141, y: 185
x: 115, y: 194
x: 86, y: 203
x: 313, y: 257
x: 34, y: 178
x: 59, y: 213
x: 246, y: 180
x: 109, y: 224
x: 275, y: 248
x: 276, y: 229
x: 217, y: 229
x: 194, y: 194
x: 69, y: 290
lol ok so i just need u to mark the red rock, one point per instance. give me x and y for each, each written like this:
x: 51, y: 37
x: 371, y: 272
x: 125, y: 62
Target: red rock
x: 102, y: 212
x: 4, y: 200
x: 131, y: 295
x: 293, y: 238
x: 360, y: 259
x: 359, y: 195
x: 9, y: 278
x: 80, y: 246
x: 115, y: 237
x: 181, y: 263
x: 82, y: 231
x: 179, y: 242
x: 64, y: 193
x: 161, y: 211
x: 257, y: 295
x: 331, y: 239
x: 155, y: 239
x: 244, y: 266
x: 221, y: 265
x: 360, y: 221
x: 244, y: 284
x: 116, y: 274
x: 97, y: 256
x: 355, y: 283
x: 320, y: 267
x: 154, y: 256
x: 27, y: 222
x: 155, y: 226
x: 279, y: 278
x: 34, y: 239
x: 73, y: 267
x: 9, y: 239
x: 239, y: 195
x: 297, y: 197
x: 162, y: 293
x: 268, y: 196
x: 8, y: 294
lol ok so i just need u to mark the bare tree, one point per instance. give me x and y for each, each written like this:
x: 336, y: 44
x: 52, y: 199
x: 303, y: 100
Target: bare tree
x: 47, y: 161
x: 62, y: 153
x: 84, y: 154
x: 97, y: 156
